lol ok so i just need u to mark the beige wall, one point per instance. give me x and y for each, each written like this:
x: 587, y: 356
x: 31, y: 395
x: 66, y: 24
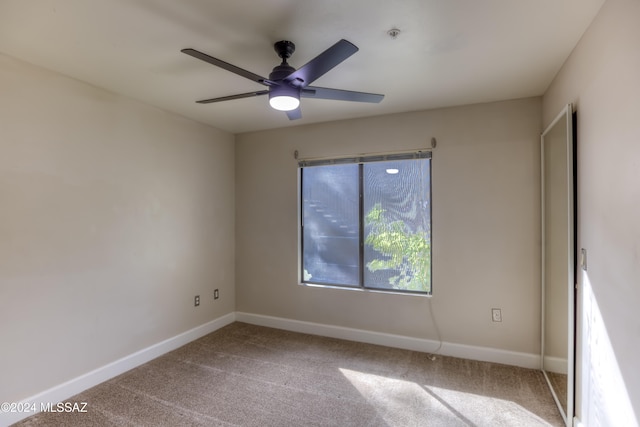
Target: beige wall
x: 602, y: 79
x: 486, y: 232
x: 113, y: 215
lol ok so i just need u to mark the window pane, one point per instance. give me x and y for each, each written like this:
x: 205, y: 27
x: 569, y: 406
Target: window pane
x: 397, y: 252
x: 330, y: 205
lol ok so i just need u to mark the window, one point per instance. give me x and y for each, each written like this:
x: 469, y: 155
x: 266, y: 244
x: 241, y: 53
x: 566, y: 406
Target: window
x: 366, y: 222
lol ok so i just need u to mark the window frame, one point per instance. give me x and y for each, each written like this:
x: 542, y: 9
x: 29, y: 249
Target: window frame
x: 360, y: 161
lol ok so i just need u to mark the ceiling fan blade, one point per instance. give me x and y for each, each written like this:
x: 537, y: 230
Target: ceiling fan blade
x: 230, y: 97
x: 340, y: 95
x: 322, y: 63
x: 295, y: 114
x: 225, y: 65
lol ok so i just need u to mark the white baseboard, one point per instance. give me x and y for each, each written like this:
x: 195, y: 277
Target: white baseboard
x: 76, y: 385
x: 555, y: 364
x: 484, y: 354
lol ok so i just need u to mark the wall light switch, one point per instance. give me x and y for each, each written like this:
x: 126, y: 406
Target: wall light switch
x: 583, y: 259
x: 496, y: 315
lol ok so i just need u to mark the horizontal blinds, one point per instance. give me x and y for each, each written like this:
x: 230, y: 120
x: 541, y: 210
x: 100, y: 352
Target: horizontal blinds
x: 365, y: 159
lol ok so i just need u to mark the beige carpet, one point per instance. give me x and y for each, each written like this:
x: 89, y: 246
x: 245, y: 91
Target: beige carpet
x: 245, y: 375
x: 559, y: 384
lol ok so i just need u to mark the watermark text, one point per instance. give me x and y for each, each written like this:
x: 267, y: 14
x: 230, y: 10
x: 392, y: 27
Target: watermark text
x: 29, y: 407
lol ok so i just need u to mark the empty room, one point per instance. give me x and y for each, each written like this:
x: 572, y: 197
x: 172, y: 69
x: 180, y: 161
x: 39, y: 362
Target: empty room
x: 319, y: 213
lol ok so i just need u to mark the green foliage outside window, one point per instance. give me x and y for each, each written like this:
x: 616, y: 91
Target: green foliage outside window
x: 405, y: 251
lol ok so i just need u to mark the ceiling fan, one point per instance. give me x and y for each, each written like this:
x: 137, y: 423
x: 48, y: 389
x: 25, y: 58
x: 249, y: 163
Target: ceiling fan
x: 286, y: 85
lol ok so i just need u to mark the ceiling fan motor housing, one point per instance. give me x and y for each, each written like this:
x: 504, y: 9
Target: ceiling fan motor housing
x: 281, y: 71
x: 284, y: 49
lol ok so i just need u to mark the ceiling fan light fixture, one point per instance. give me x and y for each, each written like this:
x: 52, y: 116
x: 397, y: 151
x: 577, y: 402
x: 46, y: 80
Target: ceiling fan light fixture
x: 284, y: 103
x: 284, y: 98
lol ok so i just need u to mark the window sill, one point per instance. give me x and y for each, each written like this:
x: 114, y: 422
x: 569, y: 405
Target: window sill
x: 367, y: 290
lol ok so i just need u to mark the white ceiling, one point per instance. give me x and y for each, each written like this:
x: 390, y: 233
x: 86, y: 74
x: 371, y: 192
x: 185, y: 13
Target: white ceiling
x: 450, y: 52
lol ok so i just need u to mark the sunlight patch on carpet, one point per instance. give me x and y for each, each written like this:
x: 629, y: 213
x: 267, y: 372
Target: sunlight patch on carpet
x: 398, y: 400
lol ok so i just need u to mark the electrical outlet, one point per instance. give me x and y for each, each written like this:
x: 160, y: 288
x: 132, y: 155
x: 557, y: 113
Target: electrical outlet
x: 216, y: 294
x: 196, y: 301
x: 496, y: 315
